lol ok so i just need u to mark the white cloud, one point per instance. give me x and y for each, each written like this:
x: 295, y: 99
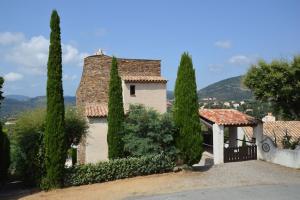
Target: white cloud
x: 240, y: 60
x: 7, y: 38
x: 71, y: 55
x: 12, y: 76
x: 67, y: 77
x: 224, y: 44
x: 32, y: 54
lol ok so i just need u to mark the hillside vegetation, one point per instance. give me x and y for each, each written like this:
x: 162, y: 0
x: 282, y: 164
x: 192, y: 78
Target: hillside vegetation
x: 13, y: 105
x: 226, y: 90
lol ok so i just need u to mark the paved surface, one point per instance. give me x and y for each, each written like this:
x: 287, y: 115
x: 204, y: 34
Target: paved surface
x: 260, y: 192
x: 240, y: 180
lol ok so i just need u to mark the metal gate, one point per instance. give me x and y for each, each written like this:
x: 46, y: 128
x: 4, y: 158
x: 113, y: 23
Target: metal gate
x: 235, y: 154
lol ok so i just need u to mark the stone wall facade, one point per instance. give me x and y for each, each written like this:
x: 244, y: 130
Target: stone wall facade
x: 94, y: 86
x: 94, y: 82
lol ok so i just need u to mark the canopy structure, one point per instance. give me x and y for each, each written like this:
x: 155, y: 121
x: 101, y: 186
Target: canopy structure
x: 218, y: 119
x: 226, y: 117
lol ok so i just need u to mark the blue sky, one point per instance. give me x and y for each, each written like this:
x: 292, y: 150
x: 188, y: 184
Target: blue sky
x: 223, y: 37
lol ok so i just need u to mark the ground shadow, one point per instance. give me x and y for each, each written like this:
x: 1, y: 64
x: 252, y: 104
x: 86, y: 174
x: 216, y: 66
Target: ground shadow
x: 15, y: 190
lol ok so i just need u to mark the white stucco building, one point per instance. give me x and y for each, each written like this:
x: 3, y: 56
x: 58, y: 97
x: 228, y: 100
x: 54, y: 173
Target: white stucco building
x: 217, y: 120
x: 142, y: 83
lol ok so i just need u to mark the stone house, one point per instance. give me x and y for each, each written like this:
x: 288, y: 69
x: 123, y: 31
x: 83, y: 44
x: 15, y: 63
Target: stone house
x: 142, y: 83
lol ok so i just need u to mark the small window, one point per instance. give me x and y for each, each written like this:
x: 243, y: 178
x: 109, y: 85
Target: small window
x: 132, y: 90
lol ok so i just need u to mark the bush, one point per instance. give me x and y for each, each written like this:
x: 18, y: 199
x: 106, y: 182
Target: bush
x: 4, y: 155
x: 288, y: 143
x: 27, y: 141
x: 118, y: 169
x: 148, y: 132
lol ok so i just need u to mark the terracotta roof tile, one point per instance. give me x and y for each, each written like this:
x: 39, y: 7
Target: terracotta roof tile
x: 96, y: 110
x: 144, y: 79
x: 227, y: 117
x: 277, y: 129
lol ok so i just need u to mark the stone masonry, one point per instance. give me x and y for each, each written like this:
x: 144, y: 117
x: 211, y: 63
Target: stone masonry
x: 94, y: 82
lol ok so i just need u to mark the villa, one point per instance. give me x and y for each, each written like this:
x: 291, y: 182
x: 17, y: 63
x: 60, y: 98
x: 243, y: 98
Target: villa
x: 142, y: 83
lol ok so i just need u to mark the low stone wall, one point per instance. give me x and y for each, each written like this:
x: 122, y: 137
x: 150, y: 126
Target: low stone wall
x: 285, y: 157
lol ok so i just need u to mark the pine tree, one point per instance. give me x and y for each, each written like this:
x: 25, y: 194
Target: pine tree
x: 55, y: 138
x: 4, y: 146
x: 189, y: 138
x: 115, y: 113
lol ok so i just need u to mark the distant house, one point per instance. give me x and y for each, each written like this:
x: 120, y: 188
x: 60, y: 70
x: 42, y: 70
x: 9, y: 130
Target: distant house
x: 142, y: 83
x: 236, y: 105
x: 276, y: 131
x: 269, y: 118
x: 227, y: 104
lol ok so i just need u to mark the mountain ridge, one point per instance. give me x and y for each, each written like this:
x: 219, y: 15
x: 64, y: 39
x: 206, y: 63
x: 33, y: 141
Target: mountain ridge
x: 230, y: 89
x: 224, y: 90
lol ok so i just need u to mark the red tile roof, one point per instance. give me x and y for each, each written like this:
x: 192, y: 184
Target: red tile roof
x: 227, y: 117
x: 143, y: 79
x: 278, y: 129
x: 96, y: 110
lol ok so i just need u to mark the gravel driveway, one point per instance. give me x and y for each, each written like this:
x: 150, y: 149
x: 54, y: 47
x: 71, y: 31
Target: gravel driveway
x: 249, y: 173
x: 258, y: 192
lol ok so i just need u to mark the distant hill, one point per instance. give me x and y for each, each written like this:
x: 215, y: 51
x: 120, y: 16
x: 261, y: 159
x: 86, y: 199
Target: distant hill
x: 226, y: 90
x: 170, y: 95
x: 18, y: 97
x: 12, y: 105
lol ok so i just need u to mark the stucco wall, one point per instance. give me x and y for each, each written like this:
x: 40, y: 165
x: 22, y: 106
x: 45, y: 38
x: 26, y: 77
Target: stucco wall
x: 240, y: 136
x: 218, y: 144
x: 152, y: 95
x: 285, y: 157
x: 96, y: 148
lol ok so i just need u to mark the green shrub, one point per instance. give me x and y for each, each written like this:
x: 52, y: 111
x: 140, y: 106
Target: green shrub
x: 27, y: 142
x: 74, y: 156
x: 148, y: 132
x: 118, y: 169
x: 4, y: 155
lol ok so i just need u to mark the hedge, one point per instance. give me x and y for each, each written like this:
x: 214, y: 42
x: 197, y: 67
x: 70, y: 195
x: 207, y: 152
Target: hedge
x: 117, y: 169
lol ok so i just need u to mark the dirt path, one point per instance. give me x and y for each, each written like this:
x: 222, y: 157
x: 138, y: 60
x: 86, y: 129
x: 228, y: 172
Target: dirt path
x: 226, y: 175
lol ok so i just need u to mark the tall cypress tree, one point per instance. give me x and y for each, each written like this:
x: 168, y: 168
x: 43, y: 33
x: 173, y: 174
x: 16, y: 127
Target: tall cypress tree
x: 55, y: 138
x: 189, y: 139
x: 4, y: 146
x: 115, y: 113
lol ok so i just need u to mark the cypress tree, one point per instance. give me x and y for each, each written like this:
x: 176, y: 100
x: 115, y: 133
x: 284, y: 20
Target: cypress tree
x: 115, y: 113
x: 55, y: 138
x: 244, y: 144
x: 4, y: 146
x: 189, y: 139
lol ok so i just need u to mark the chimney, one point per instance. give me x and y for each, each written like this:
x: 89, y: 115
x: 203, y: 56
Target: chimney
x: 269, y: 118
x: 99, y: 52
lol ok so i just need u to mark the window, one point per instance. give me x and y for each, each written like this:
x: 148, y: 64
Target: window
x: 132, y: 90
